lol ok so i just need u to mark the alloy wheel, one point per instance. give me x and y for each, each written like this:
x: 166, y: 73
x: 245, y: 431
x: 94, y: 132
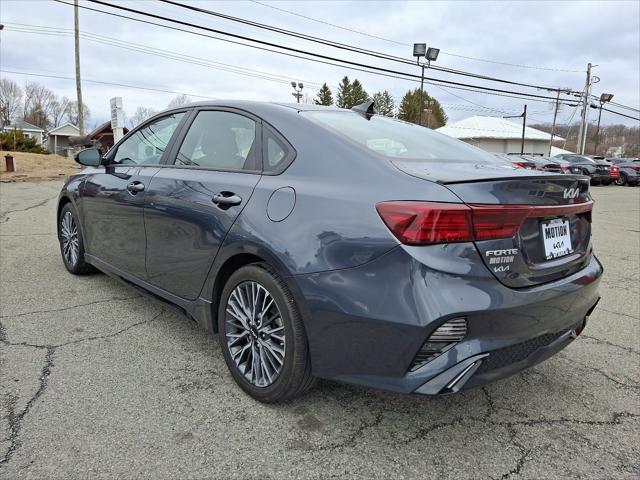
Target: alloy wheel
x: 69, y: 237
x: 255, y: 334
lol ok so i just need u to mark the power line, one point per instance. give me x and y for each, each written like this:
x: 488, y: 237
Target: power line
x: 408, y: 44
x: 53, y: 31
x: 371, y: 69
x: 621, y: 114
x: 343, y: 46
x: 62, y: 77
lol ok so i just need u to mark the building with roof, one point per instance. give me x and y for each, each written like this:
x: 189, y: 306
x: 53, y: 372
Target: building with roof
x: 102, y: 136
x: 29, y: 130
x: 498, y: 135
x: 58, y: 139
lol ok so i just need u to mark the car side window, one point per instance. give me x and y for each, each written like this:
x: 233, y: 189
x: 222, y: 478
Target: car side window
x: 147, y: 145
x: 220, y: 140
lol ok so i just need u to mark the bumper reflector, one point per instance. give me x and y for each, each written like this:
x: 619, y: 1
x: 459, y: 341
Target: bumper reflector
x: 443, y: 338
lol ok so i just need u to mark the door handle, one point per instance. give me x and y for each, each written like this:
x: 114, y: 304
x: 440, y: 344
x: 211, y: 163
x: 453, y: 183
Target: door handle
x: 135, y: 187
x: 226, y: 199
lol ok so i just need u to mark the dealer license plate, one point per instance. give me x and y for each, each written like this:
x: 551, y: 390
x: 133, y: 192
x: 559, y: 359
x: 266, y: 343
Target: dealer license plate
x: 557, y: 238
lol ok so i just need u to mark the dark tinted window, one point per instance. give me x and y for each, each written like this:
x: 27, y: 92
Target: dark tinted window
x: 276, y: 155
x: 397, y: 139
x: 146, y: 146
x: 220, y: 140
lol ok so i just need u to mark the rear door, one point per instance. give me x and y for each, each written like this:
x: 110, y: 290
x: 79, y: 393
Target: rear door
x: 113, y: 197
x: 193, y: 201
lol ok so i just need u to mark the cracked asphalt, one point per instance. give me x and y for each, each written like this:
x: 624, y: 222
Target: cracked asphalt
x: 98, y: 382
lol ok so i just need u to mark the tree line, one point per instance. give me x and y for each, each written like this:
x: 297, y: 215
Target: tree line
x: 36, y: 104
x: 352, y: 93
x: 614, y: 139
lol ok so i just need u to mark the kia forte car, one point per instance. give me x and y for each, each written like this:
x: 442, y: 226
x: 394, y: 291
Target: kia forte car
x: 327, y: 243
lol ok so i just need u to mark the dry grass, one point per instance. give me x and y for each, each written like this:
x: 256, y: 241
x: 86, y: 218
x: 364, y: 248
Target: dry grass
x: 34, y: 166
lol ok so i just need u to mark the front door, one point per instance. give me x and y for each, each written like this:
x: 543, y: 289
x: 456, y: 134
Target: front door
x: 192, y: 205
x: 113, y: 198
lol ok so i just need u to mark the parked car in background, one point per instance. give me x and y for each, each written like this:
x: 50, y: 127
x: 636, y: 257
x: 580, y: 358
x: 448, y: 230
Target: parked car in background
x: 544, y: 164
x: 597, y: 168
x: 328, y: 243
x: 629, y: 170
x: 516, y: 160
x: 568, y: 167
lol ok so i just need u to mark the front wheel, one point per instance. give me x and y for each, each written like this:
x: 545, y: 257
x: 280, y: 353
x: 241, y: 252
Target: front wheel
x: 262, y: 335
x: 71, y: 242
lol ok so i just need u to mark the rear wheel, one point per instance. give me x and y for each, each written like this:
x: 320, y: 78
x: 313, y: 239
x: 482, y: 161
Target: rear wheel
x: 622, y: 180
x: 262, y: 335
x: 71, y: 242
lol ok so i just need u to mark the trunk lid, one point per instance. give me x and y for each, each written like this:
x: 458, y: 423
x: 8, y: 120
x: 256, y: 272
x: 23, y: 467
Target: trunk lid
x: 552, y: 242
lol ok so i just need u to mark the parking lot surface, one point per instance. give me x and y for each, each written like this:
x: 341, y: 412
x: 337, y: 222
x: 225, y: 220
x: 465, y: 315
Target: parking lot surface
x: 97, y: 381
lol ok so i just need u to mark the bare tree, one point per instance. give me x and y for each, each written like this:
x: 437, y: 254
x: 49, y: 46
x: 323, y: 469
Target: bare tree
x: 60, y: 111
x: 10, y: 101
x: 72, y: 112
x: 142, y: 113
x: 39, y: 102
x: 178, y: 101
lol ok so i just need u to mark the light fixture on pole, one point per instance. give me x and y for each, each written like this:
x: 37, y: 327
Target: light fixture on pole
x: 431, y: 55
x: 297, y: 90
x: 604, y: 98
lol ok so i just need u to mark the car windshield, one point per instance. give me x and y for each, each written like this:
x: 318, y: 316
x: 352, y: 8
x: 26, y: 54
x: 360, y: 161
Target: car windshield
x: 396, y: 139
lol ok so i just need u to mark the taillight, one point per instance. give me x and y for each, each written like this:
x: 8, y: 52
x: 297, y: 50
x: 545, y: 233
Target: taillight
x: 519, y: 164
x: 428, y: 223
x: 636, y: 168
x: 423, y: 223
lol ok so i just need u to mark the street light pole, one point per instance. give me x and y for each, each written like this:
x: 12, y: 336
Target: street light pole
x: 524, y: 125
x: 430, y: 54
x: 421, y: 95
x: 553, y: 125
x: 604, y: 98
x: 297, y: 90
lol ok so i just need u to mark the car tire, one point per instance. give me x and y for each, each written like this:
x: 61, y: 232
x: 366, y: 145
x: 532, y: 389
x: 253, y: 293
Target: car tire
x: 622, y: 180
x: 253, y: 354
x: 71, y: 242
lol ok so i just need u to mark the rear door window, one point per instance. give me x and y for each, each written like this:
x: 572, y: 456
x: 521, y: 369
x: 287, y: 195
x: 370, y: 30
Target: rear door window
x: 220, y: 140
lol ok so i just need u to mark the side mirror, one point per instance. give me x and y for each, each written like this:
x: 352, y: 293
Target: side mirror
x: 90, y: 157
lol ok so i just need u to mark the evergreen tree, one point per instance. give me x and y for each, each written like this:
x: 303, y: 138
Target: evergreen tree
x: 358, y: 94
x: 343, y: 97
x: 325, y: 97
x: 410, y: 110
x: 384, y: 104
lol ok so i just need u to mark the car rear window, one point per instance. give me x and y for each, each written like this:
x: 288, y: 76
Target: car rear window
x: 397, y: 139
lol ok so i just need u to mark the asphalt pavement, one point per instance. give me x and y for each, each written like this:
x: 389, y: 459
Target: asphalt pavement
x: 99, y: 382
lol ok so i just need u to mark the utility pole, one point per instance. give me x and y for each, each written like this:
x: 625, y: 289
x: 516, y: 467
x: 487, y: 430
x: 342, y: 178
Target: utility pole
x: 553, y: 125
x: 76, y: 23
x: 582, y: 136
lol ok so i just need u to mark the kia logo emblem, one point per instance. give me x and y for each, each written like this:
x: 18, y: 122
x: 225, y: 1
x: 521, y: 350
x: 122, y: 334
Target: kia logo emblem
x: 571, y: 192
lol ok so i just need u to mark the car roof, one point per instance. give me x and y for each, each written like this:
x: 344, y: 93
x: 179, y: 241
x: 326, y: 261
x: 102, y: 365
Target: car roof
x: 252, y: 105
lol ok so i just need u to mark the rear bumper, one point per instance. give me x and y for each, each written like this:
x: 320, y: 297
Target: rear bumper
x: 598, y: 177
x: 366, y: 324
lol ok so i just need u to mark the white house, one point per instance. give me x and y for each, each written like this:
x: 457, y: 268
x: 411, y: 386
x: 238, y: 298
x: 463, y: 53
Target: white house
x: 30, y: 131
x: 58, y: 139
x: 498, y: 135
